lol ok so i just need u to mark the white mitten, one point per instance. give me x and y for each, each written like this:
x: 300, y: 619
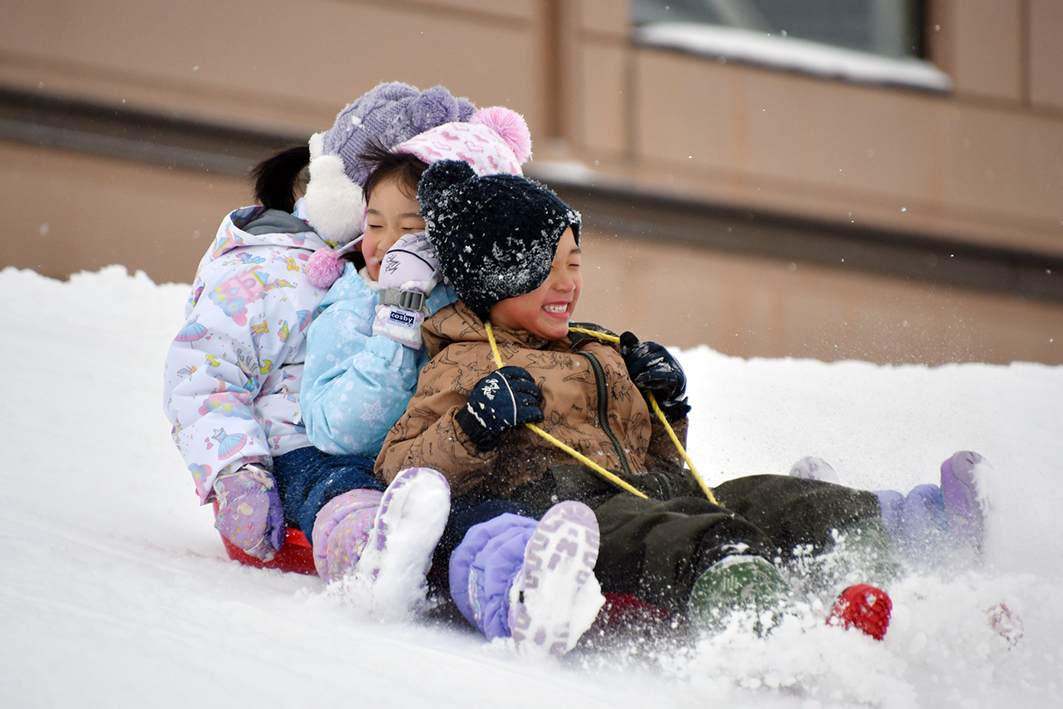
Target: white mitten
x: 407, y: 277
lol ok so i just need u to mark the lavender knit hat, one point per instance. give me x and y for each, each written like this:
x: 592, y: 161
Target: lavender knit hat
x: 389, y: 114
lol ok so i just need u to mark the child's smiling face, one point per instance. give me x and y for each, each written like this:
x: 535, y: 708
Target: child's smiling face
x: 546, y: 311
x: 391, y: 213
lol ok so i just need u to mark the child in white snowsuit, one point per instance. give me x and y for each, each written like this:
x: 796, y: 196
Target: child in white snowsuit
x: 234, y: 372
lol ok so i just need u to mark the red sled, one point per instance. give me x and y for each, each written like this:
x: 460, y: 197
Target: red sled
x: 296, y: 556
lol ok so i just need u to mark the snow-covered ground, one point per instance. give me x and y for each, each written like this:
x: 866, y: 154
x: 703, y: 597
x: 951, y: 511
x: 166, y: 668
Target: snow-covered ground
x: 115, y: 589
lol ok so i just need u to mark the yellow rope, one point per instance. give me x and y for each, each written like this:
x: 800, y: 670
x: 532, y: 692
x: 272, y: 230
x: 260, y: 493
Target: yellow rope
x: 568, y: 449
x: 660, y: 414
x: 658, y: 411
x: 682, y: 451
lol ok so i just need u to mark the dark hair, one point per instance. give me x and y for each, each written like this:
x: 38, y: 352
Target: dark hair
x: 385, y: 164
x: 276, y: 178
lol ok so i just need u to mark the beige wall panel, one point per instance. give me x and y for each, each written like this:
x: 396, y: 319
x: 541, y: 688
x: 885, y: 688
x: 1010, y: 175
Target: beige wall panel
x: 884, y: 157
x: 689, y: 114
x: 759, y: 124
x: 518, y: 9
x: 286, y: 62
x: 66, y: 212
x: 1006, y: 166
x: 843, y: 137
x: 988, y: 47
x: 606, y: 16
x: 753, y: 307
x: 604, y: 110
x: 1046, y: 53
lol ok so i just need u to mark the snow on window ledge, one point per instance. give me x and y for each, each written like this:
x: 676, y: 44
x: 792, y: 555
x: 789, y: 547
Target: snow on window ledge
x: 792, y: 54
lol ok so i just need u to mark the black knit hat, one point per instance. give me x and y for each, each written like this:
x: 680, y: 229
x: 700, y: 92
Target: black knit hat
x: 496, y: 235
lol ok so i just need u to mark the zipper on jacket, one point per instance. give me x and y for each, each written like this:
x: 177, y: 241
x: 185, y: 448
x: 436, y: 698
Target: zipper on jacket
x: 603, y: 409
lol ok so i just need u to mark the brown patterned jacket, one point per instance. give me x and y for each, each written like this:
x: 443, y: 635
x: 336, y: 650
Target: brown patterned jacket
x: 632, y: 441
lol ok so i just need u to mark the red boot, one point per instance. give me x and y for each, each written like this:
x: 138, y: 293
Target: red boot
x: 865, y: 607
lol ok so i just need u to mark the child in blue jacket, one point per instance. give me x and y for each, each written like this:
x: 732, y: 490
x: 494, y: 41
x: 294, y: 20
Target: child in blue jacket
x: 364, y: 352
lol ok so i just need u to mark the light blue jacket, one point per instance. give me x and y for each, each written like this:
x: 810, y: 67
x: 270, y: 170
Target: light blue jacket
x: 356, y: 384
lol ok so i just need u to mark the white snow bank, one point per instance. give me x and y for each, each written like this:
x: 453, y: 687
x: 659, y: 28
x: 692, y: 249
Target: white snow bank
x: 116, y: 591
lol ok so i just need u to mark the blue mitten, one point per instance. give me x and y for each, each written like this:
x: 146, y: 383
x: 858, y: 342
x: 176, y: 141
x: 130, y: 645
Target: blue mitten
x: 505, y: 399
x: 250, y: 514
x: 655, y: 371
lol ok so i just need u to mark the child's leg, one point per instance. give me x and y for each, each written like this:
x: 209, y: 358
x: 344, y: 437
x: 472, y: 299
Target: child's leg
x: 308, y: 478
x: 656, y: 550
x: 805, y: 518
x: 690, y: 556
x: 534, y: 581
x: 482, y: 569
x: 798, y: 513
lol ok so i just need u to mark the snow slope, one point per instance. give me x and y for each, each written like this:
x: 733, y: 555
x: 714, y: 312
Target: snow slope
x: 115, y: 590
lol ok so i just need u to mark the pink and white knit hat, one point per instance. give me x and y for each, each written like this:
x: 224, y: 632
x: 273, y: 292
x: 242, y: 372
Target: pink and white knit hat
x: 495, y: 141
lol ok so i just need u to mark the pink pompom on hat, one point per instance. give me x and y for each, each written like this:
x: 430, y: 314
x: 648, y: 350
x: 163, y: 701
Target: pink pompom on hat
x: 495, y: 141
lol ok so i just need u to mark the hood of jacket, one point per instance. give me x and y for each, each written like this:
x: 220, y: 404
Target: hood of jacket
x: 259, y: 226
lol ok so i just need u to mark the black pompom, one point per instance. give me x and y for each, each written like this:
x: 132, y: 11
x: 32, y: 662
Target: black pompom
x: 437, y: 178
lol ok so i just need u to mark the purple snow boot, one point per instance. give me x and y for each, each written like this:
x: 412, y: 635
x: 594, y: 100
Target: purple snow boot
x: 250, y: 514
x: 812, y: 468
x: 965, y: 503
x: 534, y: 581
x: 482, y: 568
x: 555, y: 596
x: 391, y: 574
x: 380, y: 545
x: 341, y: 530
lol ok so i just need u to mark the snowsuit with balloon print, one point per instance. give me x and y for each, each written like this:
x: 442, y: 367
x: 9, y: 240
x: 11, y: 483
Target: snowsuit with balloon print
x: 231, y: 385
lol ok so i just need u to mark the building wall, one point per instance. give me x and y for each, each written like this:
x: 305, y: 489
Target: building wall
x: 983, y: 164
x: 977, y: 170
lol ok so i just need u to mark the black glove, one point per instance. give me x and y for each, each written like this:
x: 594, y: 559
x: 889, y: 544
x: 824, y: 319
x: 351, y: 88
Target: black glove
x: 500, y: 401
x: 655, y: 371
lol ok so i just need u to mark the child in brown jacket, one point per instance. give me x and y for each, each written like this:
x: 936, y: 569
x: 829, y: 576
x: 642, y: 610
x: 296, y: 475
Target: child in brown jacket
x: 504, y: 356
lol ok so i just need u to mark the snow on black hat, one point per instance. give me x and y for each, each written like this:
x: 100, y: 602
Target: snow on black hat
x: 495, y: 235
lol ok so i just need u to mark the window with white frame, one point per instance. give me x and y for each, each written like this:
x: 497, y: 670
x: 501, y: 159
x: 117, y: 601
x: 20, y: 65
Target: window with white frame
x: 871, y: 41
x: 891, y: 28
